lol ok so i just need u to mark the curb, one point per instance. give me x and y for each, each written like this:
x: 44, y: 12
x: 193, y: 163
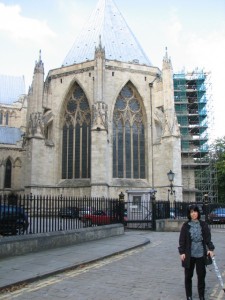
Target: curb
x: 16, y: 285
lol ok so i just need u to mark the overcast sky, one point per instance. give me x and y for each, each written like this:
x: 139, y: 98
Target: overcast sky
x: 193, y: 31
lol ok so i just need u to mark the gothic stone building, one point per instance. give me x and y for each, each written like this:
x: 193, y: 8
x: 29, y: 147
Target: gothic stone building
x: 101, y: 124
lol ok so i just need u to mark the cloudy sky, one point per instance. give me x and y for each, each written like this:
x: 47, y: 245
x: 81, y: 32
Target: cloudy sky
x: 193, y: 31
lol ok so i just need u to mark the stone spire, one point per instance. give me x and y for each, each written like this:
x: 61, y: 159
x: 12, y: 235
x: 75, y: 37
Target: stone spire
x: 39, y: 66
x: 167, y: 61
x: 100, y: 51
x: 100, y: 109
x: 35, y: 101
x: 171, y: 125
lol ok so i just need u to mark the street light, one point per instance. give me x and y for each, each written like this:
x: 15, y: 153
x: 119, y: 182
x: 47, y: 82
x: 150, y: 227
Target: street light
x: 171, y: 175
x: 121, y: 196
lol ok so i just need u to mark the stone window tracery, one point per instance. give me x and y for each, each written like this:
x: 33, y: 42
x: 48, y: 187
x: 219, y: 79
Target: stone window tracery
x: 4, y: 117
x: 76, y: 136
x: 128, y: 135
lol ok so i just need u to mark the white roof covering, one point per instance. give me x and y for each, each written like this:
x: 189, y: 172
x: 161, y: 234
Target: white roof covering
x: 10, y: 135
x: 116, y: 37
x: 11, y: 88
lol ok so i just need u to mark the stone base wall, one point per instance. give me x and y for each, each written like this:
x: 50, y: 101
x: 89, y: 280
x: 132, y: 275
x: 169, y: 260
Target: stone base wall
x: 169, y: 225
x: 19, y: 245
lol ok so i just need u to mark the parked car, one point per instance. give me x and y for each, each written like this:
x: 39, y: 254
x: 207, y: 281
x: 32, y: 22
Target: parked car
x: 13, y: 220
x: 217, y: 215
x: 85, y: 211
x: 69, y: 212
x: 98, y: 217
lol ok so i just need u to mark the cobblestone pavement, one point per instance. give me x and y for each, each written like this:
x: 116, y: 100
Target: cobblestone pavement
x: 151, y: 272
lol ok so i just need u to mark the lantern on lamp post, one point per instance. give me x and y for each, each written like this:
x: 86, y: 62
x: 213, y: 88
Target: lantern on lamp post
x: 171, y: 176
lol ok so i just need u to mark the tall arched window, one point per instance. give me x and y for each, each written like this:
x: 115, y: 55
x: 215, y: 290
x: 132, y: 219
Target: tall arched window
x: 76, y: 136
x: 8, y: 173
x: 128, y: 135
x: 7, y: 118
x: 1, y: 118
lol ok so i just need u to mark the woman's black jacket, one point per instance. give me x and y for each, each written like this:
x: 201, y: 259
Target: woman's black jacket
x: 185, y: 241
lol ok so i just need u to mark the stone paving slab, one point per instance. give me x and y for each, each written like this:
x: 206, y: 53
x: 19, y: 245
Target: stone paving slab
x: 30, y: 267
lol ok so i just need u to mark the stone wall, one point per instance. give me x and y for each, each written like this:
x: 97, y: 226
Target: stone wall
x: 19, y: 245
x: 169, y: 225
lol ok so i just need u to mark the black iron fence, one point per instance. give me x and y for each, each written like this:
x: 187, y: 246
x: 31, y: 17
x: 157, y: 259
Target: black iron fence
x: 212, y: 213
x: 40, y: 214
x: 143, y: 215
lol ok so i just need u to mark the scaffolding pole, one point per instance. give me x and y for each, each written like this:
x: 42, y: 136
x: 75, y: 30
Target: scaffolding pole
x: 193, y: 106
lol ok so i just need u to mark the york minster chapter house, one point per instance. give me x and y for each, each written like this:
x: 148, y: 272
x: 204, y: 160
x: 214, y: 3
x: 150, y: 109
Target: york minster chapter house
x: 101, y: 124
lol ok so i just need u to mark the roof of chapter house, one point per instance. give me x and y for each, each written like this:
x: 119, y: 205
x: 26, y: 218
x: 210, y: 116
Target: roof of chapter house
x: 10, y: 135
x: 106, y: 24
x: 11, y: 88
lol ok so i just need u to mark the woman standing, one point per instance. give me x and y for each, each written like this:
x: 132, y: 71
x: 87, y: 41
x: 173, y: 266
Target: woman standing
x: 194, y: 246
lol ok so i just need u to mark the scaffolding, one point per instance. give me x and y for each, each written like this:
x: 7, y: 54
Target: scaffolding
x: 193, y: 106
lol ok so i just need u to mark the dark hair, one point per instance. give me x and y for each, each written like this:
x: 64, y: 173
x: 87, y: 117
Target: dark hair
x: 193, y: 207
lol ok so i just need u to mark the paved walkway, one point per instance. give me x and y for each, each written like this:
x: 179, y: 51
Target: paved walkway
x: 33, y: 266
x: 152, y: 272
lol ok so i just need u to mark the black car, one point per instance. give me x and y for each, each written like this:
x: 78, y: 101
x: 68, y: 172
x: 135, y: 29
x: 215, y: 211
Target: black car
x: 13, y: 220
x: 69, y: 212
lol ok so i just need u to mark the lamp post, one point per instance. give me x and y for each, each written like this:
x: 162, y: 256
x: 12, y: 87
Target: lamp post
x: 171, y: 176
x: 121, y: 196
x: 153, y: 199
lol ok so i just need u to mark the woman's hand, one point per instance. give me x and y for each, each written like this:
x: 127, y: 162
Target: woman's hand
x: 182, y: 257
x: 211, y: 253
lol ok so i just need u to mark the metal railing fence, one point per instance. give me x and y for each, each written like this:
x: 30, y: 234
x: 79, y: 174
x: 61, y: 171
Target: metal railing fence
x: 31, y: 214
x: 144, y: 214
x: 212, y: 213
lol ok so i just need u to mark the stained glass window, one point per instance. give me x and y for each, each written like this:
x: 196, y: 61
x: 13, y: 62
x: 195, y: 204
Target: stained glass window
x: 76, y: 137
x: 128, y: 135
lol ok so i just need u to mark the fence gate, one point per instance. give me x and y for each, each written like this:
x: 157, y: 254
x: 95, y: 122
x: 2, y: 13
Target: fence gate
x: 139, y: 214
x: 143, y: 211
